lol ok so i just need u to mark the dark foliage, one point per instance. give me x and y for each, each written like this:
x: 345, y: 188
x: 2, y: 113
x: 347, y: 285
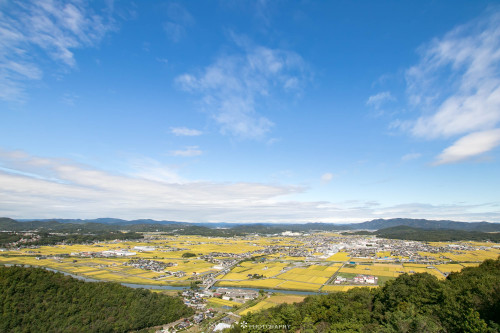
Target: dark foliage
x: 101, y: 230
x: 429, y: 235
x: 9, y: 239
x: 230, y: 229
x: 438, y: 235
x: 37, y: 300
x: 468, y: 301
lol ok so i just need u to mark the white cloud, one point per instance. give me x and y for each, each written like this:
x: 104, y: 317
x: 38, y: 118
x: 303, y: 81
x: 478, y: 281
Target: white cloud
x: 56, y: 27
x: 327, y: 177
x: 456, y: 85
x: 187, y: 152
x: 50, y: 187
x: 150, y: 169
x: 184, y: 131
x: 179, y: 20
x: 411, y: 156
x: 235, y: 88
x: 36, y: 187
x: 69, y: 99
x: 377, y: 100
x: 470, y: 145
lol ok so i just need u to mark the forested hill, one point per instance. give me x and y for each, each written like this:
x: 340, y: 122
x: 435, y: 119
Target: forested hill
x: 89, y: 231
x: 468, y: 301
x: 430, y: 235
x: 49, y: 233
x: 8, y: 224
x: 36, y: 300
x: 428, y: 224
x: 231, y: 229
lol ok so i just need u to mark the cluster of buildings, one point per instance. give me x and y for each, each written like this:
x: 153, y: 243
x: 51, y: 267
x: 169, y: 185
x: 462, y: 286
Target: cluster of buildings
x: 27, y: 237
x: 236, y: 295
x: 144, y: 248
x: 358, y: 279
x: 105, y: 254
x: 151, y: 265
x: 185, y: 323
x: 197, y: 300
x: 407, y: 251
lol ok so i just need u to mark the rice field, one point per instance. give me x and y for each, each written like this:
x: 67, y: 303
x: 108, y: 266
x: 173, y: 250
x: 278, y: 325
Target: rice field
x: 278, y: 270
x: 387, y: 270
x: 339, y: 256
x: 384, y: 254
x: 448, y: 268
x: 418, y: 268
x: 292, y: 285
x: 259, y: 283
x: 313, y: 274
x: 268, y: 269
x: 334, y: 288
x: 472, y: 256
x: 273, y: 301
x: 271, y: 284
x: 219, y: 302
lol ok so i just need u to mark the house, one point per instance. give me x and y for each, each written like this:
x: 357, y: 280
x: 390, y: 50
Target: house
x: 221, y: 326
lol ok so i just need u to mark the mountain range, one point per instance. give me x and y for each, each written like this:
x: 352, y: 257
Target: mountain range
x: 113, y: 224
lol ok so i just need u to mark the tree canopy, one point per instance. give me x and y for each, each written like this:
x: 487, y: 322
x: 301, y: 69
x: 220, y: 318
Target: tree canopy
x: 468, y: 301
x: 37, y: 300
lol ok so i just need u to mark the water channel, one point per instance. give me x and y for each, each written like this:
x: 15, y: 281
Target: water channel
x: 152, y: 286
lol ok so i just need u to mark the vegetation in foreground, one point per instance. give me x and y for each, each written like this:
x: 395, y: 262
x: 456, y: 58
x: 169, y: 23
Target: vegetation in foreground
x: 468, y: 301
x: 36, y: 300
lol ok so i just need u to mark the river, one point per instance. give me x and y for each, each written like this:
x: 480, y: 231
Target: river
x: 152, y: 286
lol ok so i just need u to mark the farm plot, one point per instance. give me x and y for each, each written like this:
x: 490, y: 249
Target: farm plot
x: 259, y: 283
x: 219, y: 302
x: 247, y: 268
x: 376, y: 270
x: 339, y: 256
x: 332, y: 288
x: 471, y: 256
x: 273, y: 301
x: 299, y: 286
x: 448, y: 268
x: 312, y: 274
x: 418, y: 268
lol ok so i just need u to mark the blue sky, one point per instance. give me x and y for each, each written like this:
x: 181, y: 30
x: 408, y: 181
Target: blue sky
x: 250, y: 111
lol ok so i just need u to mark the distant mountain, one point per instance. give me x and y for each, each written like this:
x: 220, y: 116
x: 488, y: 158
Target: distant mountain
x: 105, y: 220
x: 264, y: 228
x: 432, y: 235
x: 427, y: 224
x: 7, y: 224
x: 85, y: 227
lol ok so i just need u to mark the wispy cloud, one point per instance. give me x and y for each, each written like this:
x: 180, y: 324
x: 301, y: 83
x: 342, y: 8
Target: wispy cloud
x: 152, y: 170
x: 235, y: 88
x: 54, y: 27
x: 35, y: 186
x: 470, y: 145
x: 379, y: 99
x: 184, y: 131
x: 410, y: 156
x: 456, y: 85
x: 187, y: 152
x: 327, y: 177
x: 179, y: 20
x: 69, y: 99
x: 38, y: 187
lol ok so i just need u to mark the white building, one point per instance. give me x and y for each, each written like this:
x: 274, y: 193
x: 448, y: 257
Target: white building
x: 144, y: 248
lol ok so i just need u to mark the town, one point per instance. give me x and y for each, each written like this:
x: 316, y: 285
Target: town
x: 223, y: 278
